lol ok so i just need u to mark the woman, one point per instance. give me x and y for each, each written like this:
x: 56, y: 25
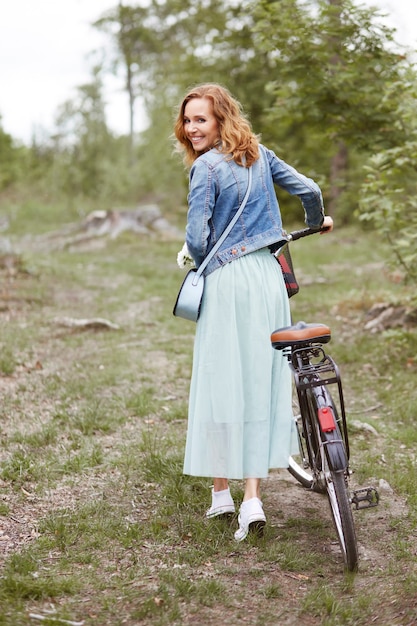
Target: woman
x: 240, y: 420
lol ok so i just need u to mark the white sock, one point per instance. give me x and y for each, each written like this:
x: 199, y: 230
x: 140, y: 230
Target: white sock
x: 221, y: 497
x: 217, y: 494
x: 249, y: 502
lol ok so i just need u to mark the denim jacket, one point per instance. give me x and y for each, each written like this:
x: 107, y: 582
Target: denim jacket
x: 216, y: 190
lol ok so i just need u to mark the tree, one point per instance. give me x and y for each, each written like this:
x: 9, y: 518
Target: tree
x: 336, y: 71
x: 87, y: 157
x: 137, y: 51
x: 13, y: 160
x: 388, y: 195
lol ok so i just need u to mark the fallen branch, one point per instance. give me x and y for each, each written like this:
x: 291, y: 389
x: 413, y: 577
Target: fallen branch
x: 94, y: 322
x: 43, y: 618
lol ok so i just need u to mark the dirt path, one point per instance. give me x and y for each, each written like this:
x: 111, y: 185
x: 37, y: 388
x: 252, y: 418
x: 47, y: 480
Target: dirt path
x: 290, y: 511
x: 288, y: 506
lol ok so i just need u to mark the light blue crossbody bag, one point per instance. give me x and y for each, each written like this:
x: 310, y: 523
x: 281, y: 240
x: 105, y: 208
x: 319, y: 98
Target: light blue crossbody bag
x: 190, y: 295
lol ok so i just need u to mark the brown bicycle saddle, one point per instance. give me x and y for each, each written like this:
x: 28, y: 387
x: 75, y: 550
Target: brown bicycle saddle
x: 299, y: 334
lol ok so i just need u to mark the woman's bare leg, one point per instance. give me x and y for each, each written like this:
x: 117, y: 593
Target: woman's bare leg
x: 252, y: 489
x: 220, y: 484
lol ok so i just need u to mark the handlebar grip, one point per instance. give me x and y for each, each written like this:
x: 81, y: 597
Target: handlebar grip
x: 294, y: 235
x: 305, y: 232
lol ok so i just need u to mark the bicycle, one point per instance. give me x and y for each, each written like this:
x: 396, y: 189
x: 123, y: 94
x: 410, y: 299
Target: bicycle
x: 322, y: 464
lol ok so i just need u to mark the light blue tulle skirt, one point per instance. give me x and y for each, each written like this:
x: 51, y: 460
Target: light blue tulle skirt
x: 240, y: 413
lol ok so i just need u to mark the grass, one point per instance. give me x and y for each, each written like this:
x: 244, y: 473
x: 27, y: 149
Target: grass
x: 105, y: 528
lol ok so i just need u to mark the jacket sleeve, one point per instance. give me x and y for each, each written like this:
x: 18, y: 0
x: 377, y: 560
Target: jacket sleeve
x: 201, y: 202
x: 299, y: 185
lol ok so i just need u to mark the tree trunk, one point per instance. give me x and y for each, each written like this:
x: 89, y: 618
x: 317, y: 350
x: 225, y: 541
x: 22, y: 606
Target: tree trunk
x: 339, y: 162
x: 124, y: 29
x: 338, y: 171
x: 130, y: 90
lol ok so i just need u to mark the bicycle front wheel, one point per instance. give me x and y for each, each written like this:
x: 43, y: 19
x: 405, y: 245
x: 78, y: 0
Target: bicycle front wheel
x: 300, y: 464
x: 341, y: 509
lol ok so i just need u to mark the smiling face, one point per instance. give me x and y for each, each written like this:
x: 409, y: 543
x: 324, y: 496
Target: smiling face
x: 200, y: 125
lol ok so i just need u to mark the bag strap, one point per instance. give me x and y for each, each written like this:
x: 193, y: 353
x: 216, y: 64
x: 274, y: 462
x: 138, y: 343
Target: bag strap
x: 227, y: 230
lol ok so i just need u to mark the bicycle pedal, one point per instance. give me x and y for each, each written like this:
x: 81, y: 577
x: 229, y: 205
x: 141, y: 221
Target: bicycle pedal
x: 365, y: 498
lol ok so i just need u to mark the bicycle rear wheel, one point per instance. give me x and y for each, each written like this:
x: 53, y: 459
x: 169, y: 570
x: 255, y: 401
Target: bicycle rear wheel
x: 334, y: 478
x: 341, y: 509
x: 313, y: 471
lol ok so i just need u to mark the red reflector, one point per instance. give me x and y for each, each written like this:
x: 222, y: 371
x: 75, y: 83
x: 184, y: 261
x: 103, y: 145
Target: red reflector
x: 326, y: 419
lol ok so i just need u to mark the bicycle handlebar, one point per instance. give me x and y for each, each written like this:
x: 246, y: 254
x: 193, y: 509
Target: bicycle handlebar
x: 304, y: 232
x: 294, y: 235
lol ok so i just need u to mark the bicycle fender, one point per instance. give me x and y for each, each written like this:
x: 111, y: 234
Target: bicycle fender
x: 335, y: 451
x: 331, y: 438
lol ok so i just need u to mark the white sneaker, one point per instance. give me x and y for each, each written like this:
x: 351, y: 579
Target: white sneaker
x: 221, y: 503
x: 251, y: 518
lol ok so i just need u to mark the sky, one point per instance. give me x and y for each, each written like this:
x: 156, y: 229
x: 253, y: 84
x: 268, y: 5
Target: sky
x: 45, y: 53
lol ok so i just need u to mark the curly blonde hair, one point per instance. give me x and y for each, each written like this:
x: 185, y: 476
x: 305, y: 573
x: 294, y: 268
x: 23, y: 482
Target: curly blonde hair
x: 236, y: 135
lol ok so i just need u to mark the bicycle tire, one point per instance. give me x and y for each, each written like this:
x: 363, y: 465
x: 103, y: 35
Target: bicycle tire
x: 334, y: 479
x: 298, y: 464
x: 341, y: 509
x: 323, y: 479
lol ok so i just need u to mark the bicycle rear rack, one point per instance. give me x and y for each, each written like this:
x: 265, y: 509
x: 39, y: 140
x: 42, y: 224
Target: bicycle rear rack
x: 322, y: 372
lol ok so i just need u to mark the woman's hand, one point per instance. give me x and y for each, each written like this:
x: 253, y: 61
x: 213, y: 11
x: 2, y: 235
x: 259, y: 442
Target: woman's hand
x: 184, y: 258
x: 327, y: 225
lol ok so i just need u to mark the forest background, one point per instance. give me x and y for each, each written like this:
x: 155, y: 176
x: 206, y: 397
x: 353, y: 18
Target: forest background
x: 325, y: 84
